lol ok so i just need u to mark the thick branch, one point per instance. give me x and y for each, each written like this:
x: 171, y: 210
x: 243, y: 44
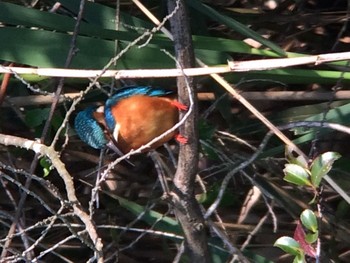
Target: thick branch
x: 186, y: 207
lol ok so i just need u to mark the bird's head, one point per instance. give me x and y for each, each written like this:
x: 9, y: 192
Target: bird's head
x: 89, y: 127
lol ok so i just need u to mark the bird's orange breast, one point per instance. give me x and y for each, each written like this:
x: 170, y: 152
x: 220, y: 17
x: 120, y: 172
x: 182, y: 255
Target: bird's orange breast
x: 141, y: 119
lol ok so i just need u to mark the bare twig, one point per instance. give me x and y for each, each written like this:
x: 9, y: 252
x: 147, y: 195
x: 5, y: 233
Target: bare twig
x: 261, y: 147
x: 41, y: 149
x: 263, y: 65
x: 228, y: 177
x: 255, y: 230
x: 232, y: 66
x: 21, y: 101
x: 46, y: 127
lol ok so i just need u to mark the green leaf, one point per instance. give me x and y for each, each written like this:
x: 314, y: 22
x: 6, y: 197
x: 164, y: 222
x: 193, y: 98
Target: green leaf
x: 45, y: 163
x: 36, y: 117
x: 103, y: 16
x: 300, y: 160
x: 163, y: 223
x: 230, y: 22
x: 311, y: 237
x: 296, y: 174
x: 322, y: 165
x: 43, y: 48
x: 228, y: 198
x: 288, y: 245
x: 299, y: 259
x: 309, y: 220
x: 290, y: 75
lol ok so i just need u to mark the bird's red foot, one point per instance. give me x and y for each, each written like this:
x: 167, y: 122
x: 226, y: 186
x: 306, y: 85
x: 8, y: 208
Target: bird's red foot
x: 179, y: 105
x: 181, y: 139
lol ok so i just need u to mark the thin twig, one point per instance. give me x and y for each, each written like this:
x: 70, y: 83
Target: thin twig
x: 41, y: 149
x: 45, y: 130
x: 261, y: 147
x: 21, y: 101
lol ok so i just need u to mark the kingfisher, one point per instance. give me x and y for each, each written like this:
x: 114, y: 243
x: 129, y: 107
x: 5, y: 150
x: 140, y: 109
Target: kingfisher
x: 132, y: 117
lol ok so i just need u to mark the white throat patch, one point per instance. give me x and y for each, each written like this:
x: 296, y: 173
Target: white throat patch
x: 116, y: 131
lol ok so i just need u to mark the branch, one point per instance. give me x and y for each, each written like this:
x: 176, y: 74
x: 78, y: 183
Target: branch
x: 44, y: 132
x: 186, y: 208
x: 32, y: 100
x: 232, y: 66
x: 42, y: 149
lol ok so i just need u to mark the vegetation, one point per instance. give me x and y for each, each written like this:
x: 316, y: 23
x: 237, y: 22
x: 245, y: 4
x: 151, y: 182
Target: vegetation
x: 266, y: 172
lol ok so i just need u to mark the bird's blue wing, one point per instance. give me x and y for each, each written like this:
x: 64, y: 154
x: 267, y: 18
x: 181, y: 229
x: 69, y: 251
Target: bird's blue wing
x: 88, y: 130
x: 127, y: 92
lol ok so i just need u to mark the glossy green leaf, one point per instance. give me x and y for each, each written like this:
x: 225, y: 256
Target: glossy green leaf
x: 164, y: 223
x: 46, y: 165
x: 299, y: 160
x: 299, y: 259
x: 207, y: 198
x: 309, y: 220
x: 49, y: 49
x: 288, y: 245
x: 228, y: 45
x: 99, y: 24
x: 322, y: 165
x: 300, y: 113
x: 339, y: 113
x: 230, y: 22
x: 296, y: 76
x: 311, y: 237
x: 103, y: 16
x: 296, y: 174
x: 12, y: 14
x: 18, y: 15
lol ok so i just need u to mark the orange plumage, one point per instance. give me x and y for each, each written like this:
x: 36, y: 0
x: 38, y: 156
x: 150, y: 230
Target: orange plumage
x: 131, y: 118
x: 140, y: 119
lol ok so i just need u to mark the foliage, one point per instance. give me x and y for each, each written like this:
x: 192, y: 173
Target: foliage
x: 298, y: 172
x: 134, y: 223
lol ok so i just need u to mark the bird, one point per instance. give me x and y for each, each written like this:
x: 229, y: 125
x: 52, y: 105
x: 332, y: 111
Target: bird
x: 131, y: 118
x: 89, y: 129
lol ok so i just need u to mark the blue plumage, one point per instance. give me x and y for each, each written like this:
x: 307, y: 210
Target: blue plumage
x: 88, y: 129
x: 127, y: 92
x: 92, y: 132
